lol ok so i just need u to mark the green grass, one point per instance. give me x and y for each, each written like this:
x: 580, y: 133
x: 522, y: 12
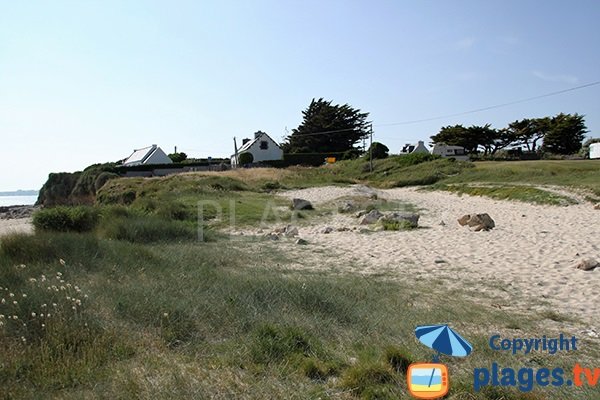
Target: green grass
x: 507, y: 192
x: 575, y: 174
x: 189, y: 319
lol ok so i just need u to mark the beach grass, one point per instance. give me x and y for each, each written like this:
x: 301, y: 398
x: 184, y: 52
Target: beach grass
x: 189, y: 319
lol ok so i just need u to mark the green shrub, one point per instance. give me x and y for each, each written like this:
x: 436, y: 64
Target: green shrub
x: 48, y: 246
x: 66, y: 219
x: 378, y: 151
x: 145, y: 229
x: 102, y: 179
x: 396, y: 225
x: 245, y: 158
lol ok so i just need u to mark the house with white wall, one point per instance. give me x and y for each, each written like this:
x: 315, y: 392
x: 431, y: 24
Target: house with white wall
x: 447, y: 151
x: 410, y: 148
x: 262, y: 148
x: 146, y: 156
x: 595, y: 150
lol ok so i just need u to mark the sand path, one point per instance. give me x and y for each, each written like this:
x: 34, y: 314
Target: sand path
x: 524, y: 263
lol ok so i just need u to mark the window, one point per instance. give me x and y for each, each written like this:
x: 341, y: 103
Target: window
x: 264, y: 145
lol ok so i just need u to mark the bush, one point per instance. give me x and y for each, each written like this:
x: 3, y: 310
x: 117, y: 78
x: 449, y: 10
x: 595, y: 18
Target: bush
x: 145, y: 229
x: 102, y: 179
x: 66, y: 219
x: 389, y: 225
x: 245, y: 158
x: 378, y: 151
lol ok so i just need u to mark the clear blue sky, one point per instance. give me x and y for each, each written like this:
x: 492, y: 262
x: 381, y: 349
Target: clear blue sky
x: 84, y: 82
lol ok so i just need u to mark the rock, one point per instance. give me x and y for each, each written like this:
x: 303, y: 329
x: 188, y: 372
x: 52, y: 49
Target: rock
x: 439, y: 261
x: 346, y: 207
x: 343, y: 229
x: 291, y: 231
x: 371, y: 217
x: 360, y: 213
x: 364, y: 230
x: 597, y: 206
x: 272, y: 236
x: 442, y: 223
x: 464, y: 220
x: 302, y: 242
x: 477, y: 221
x: 411, y: 218
x: 279, y: 230
x: 16, y: 212
x: 587, y: 264
x: 378, y: 228
x: 327, y: 230
x: 301, y: 204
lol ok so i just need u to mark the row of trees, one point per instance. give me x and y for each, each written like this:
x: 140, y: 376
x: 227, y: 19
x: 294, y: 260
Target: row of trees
x: 333, y: 128
x: 561, y: 134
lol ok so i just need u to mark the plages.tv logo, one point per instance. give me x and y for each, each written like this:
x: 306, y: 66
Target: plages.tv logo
x: 431, y: 380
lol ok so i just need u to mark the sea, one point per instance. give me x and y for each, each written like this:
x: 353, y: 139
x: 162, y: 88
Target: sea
x: 17, y: 200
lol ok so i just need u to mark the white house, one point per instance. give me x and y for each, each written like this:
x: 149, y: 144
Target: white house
x: 414, y: 148
x: 444, y: 150
x: 595, y: 150
x: 262, y: 148
x: 148, y: 155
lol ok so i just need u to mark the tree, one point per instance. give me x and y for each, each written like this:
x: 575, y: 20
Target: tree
x: 458, y: 135
x: 529, y: 132
x: 378, y: 150
x: 565, y: 134
x: 178, y: 157
x: 246, y: 158
x: 327, y: 128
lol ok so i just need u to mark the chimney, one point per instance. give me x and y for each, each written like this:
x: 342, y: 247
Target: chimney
x: 257, y: 134
x: 244, y: 141
x: 421, y: 143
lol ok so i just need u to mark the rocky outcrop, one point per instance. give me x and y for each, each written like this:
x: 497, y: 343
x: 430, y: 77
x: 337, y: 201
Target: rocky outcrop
x: 371, y: 217
x: 16, y: 212
x: 587, y: 264
x: 411, y: 218
x: 479, y: 222
x: 301, y: 204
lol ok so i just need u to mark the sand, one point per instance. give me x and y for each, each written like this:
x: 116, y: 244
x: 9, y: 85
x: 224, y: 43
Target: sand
x: 19, y: 225
x: 524, y: 264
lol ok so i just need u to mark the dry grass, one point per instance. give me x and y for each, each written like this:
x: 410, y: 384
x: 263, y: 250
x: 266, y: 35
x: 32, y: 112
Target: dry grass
x: 249, y: 175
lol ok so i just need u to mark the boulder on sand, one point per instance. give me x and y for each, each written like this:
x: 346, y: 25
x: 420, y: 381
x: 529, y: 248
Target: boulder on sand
x: 411, y: 218
x: 301, y: 204
x: 480, y: 222
x: 371, y: 217
x: 587, y: 264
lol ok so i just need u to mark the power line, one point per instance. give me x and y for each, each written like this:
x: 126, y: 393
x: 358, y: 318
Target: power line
x: 492, y: 107
x: 416, y: 121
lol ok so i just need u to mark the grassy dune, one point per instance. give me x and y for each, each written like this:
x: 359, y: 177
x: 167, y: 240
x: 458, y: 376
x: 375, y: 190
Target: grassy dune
x: 134, y: 306
x: 182, y: 320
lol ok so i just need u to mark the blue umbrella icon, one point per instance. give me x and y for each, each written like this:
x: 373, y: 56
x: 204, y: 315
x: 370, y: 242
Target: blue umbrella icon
x: 444, y: 340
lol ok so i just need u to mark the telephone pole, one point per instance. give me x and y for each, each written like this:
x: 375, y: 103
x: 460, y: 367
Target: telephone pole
x: 371, y: 148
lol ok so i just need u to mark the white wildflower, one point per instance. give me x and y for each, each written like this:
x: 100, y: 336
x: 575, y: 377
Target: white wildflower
x: 11, y: 294
x: 43, y: 325
x: 62, y: 262
x: 33, y: 314
x: 15, y: 317
x: 32, y: 280
x: 24, y: 295
x: 44, y: 305
x: 15, y: 302
x: 59, y: 273
x: 3, y: 301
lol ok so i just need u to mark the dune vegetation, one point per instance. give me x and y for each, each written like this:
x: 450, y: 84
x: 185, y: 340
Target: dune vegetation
x: 121, y: 299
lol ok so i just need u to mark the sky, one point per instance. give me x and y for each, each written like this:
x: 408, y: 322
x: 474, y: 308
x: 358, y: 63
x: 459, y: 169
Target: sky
x: 84, y: 82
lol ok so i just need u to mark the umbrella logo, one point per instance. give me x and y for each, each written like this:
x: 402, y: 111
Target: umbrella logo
x: 430, y: 380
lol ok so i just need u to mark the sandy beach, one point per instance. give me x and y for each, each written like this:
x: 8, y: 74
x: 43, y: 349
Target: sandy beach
x: 20, y: 225
x: 525, y: 263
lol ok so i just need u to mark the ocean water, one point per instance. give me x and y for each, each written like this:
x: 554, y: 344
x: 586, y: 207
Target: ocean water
x: 17, y: 200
